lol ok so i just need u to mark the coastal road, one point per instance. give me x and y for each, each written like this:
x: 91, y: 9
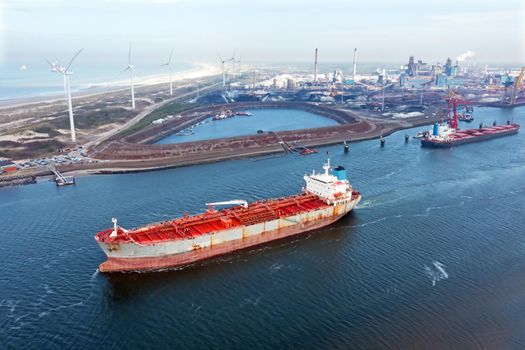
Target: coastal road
x: 107, y: 135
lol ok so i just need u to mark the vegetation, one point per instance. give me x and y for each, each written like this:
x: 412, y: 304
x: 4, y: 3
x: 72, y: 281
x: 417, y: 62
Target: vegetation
x: 172, y: 108
x: 93, y: 118
x: 16, y: 150
x: 46, y: 128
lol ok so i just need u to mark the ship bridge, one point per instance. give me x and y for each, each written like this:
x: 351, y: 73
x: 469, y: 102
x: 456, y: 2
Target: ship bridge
x: 331, y: 186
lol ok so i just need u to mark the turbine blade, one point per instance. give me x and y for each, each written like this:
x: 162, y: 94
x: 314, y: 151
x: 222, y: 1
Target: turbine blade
x: 220, y: 57
x: 171, y: 55
x: 129, y: 55
x: 233, y: 56
x: 71, y: 62
x: 53, y: 66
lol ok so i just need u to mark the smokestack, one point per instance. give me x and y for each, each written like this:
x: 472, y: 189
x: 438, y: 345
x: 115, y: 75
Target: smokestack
x: 355, y: 63
x: 315, y: 67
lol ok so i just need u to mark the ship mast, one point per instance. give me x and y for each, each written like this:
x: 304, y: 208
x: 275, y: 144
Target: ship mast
x: 326, y: 166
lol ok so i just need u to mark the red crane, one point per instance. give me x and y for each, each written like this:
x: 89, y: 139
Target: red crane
x: 453, y: 101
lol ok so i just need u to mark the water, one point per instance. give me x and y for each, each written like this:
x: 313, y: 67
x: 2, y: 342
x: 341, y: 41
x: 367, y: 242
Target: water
x: 434, y: 257
x: 261, y: 119
x: 38, y: 81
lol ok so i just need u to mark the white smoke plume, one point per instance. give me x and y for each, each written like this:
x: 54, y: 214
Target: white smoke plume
x: 465, y: 56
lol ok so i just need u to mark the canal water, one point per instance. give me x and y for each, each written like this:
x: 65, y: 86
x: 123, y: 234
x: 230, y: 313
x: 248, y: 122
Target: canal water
x: 261, y: 119
x: 434, y: 257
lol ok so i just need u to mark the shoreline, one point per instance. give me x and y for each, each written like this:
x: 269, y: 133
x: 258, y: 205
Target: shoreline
x: 112, y: 167
x: 200, y: 70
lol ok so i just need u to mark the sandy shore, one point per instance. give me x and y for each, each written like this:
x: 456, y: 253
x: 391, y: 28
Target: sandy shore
x: 201, y: 70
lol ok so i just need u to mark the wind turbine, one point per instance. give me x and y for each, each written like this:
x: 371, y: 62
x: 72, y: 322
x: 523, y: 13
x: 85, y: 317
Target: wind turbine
x: 131, y: 68
x: 223, y: 69
x: 233, y: 63
x: 169, y: 65
x: 56, y: 67
x: 240, y: 65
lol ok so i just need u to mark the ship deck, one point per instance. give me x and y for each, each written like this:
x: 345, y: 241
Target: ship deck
x: 473, y: 133
x: 212, y: 220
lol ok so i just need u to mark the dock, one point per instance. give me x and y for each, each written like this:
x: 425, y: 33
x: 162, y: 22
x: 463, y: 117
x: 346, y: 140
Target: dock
x: 60, y: 179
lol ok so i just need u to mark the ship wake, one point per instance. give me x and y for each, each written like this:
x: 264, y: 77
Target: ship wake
x: 436, y: 273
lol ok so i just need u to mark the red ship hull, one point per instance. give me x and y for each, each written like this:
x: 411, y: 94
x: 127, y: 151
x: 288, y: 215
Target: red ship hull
x: 472, y: 135
x: 184, y: 259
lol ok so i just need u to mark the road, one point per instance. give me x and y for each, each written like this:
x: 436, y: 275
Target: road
x: 107, y: 135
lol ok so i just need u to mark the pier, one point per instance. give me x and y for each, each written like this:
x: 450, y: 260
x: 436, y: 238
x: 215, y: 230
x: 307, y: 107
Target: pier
x: 60, y: 179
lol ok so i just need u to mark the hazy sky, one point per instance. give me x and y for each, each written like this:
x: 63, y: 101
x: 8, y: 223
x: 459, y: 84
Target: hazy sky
x: 271, y: 30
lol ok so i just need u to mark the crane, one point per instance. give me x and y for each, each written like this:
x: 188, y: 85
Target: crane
x: 518, y: 84
x: 232, y: 202
x: 453, y: 100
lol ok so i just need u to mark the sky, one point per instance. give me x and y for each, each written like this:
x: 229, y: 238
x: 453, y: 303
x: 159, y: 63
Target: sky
x: 262, y: 31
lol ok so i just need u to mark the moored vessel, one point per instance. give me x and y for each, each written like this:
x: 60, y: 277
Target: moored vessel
x: 325, y: 198
x: 444, y: 136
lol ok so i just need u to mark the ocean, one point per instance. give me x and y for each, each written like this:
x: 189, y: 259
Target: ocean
x: 36, y: 80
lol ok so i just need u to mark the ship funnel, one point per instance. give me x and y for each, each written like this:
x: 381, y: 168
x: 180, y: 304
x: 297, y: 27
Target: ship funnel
x: 436, y: 129
x: 340, y: 173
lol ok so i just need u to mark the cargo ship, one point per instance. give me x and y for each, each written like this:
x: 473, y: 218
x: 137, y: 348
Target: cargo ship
x: 444, y: 136
x: 325, y: 198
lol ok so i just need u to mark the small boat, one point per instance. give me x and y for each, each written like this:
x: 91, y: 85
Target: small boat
x: 421, y: 134
x: 245, y: 114
x: 466, y: 117
x: 307, y: 151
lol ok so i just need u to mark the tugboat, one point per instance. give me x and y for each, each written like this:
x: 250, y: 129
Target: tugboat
x: 466, y: 116
x: 421, y: 134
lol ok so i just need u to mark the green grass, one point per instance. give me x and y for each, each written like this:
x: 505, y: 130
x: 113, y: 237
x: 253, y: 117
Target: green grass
x: 90, y: 119
x: 172, y: 108
x: 46, y: 128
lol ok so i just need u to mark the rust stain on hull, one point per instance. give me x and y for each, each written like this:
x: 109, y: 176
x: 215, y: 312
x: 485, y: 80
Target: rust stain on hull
x: 203, y: 253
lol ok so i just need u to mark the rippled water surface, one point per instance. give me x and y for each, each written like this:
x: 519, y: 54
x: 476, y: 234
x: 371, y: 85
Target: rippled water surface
x: 434, y: 257
x: 261, y: 119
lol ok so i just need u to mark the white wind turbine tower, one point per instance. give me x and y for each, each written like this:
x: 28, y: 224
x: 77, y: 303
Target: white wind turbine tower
x: 58, y: 68
x: 233, y: 63
x: 131, y: 68
x: 223, y: 70
x: 170, y: 66
x: 239, y: 66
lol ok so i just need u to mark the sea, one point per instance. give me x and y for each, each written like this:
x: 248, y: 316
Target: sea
x: 432, y: 258
x: 19, y: 80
